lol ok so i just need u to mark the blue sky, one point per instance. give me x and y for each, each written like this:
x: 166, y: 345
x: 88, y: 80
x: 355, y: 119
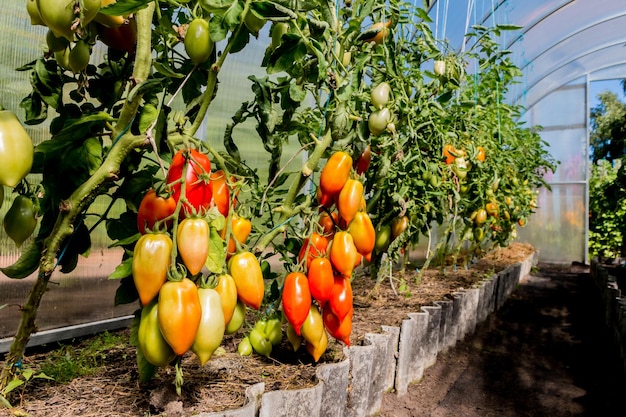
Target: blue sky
x: 597, y: 87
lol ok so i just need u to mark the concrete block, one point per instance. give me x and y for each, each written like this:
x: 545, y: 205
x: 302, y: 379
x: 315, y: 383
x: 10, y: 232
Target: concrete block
x: 445, y: 324
x: 250, y: 409
x: 411, y: 351
x: 334, y: 377
x: 361, y: 369
x: 383, y: 359
x: 485, y: 300
x: 460, y: 313
x: 431, y: 338
x: 304, y: 402
x: 471, y: 305
x: 394, y: 340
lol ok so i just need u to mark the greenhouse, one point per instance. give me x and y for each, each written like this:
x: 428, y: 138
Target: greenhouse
x: 332, y: 151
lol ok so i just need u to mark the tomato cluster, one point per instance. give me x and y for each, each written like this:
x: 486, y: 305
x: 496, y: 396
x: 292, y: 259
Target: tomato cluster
x: 180, y: 312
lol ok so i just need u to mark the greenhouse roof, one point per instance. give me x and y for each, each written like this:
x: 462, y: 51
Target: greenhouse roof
x: 560, y: 40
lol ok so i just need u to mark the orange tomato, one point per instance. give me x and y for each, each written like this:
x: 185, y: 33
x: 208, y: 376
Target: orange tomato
x: 343, y: 253
x: 335, y: 173
x: 179, y: 314
x: 246, y: 271
x: 349, y: 200
x: 362, y: 231
x: 321, y: 279
x: 313, y: 247
x: 221, y: 192
x: 192, y: 238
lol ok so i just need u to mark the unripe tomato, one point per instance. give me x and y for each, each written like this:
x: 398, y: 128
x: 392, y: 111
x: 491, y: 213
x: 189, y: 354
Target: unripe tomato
x: 349, y: 199
x: 198, y: 44
x: 20, y: 220
x: 295, y: 340
x: 378, y: 121
x: 296, y: 299
x: 238, y: 318
x: 79, y: 56
x: 180, y: 314
x: 259, y: 341
x: 33, y: 13
x: 321, y: 279
x: 383, y: 238
x: 192, y: 238
x: 313, y: 326
x: 55, y: 44
x: 313, y: 247
x: 362, y: 231
x: 221, y: 192
x: 254, y: 22
x: 16, y: 150
x: 59, y: 16
x: 439, y: 67
x: 380, y: 95
x: 273, y: 331
x: 398, y: 226
x: 198, y: 190
x: 152, y: 209
x: 244, y: 348
x: 63, y: 58
x: 318, y: 349
x: 343, y: 253
x: 339, y: 329
x: 151, y: 342
x: 335, y: 173
x: 340, y: 302
x: 211, y: 330
x: 278, y: 30
x: 246, y: 271
x: 227, y: 289
x: 151, y: 260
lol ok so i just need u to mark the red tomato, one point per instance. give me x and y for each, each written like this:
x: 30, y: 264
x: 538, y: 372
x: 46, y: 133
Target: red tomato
x: 340, y: 302
x: 221, y: 192
x: 153, y: 208
x: 349, y: 199
x: 328, y: 222
x: 316, y: 245
x: 335, y: 173
x: 198, y: 189
x: 343, y: 253
x: 180, y: 313
x: 363, y: 161
x: 321, y: 279
x: 339, y: 329
x: 192, y: 238
x: 324, y: 200
x: 122, y: 38
x: 296, y: 299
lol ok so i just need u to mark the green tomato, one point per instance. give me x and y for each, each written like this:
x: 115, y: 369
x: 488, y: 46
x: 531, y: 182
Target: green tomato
x: 151, y: 342
x: 260, y: 343
x: 237, y: 320
x: 244, y: 348
x: 56, y: 44
x: 383, y: 238
x: 378, y: 121
x: 33, y: 13
x: 273, y: 331
x: 278, y: 30
x: 20, y: 220
x: 198, y: 44
x: 59, y: 17
x: 211, y: 330
x: 380, y: 95
x: 79, y: 56
x: 16, y: 150
x: 254, y: 22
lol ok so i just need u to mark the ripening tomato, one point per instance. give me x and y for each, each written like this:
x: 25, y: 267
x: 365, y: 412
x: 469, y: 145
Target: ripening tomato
x: 327, y: 222
x: 363, y: 234
x: 295, y: 340
x: 192, y: 239
x: 340, y: 302
x: 211, y: 330
x: 380, y: 95
x: 246, y: 271
x: 362, y: 163
x: 20, y: 220
x: 151, y: 260
x: 349, y: 200
x: 481, y: 154
x: 152, y: 209
x: 296, y: 299
x: 318, y: 349
x: 198, y: 43
x: 240, y: 230
x: 121, y: 38
x: 339, y: 329
x: 376, y: 33
x: 398, y: 226
x: 448, y: 153
x: 180, y: 314
x: 227, y: 289
x: 16, y: 150
x: 335, y: 173
x: 343, y: 253
x: 313, y: 326
x: 198, y: 190
x: 313, y: 247
x: 150, y: 340
x: 321, y: 279
x: 221, y: 192
x: 492, y: 209
x: 480, y: 216
x: 324, y: 200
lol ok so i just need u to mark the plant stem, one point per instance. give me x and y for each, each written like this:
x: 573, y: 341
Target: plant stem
x: 81, y: 199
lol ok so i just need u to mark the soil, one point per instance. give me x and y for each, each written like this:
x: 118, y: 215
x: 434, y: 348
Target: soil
x: 115, y: 390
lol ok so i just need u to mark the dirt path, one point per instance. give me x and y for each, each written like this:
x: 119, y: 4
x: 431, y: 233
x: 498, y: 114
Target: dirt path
x: 543, y: 354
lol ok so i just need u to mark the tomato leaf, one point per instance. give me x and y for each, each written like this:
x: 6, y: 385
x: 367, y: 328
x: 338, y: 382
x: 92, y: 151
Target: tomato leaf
x: 27, y: 262
x: 272, y: 11
x: 217, y: 255
x: 217, y: 28
x: 124, y: 8
x: 166, y: 70
x: 123, y: 270
x: 126, y: 293
x: 36, y: 109
x: 284, y: 58
x: 216, y: 6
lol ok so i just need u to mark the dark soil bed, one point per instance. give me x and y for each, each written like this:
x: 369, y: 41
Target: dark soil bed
x: 115, y: 390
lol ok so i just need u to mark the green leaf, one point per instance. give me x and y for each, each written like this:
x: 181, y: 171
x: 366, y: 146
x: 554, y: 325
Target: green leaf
x: 14, y: 383
x: 291, y: 50
x: 217, y: 29
x: 123, y: 270
x: 126, y: 293
x: 296, y: 92
x: 149, y: 114
x: 124, y: 7
x: 166, y: 70
x: 27, y: 263
x: 232, y: 17
x: 35, y: 108
x: 217, y: 256
x: 216, y: 6
x: 272, y: 11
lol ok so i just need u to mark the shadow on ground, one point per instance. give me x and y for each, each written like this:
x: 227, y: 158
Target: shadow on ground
x: 545, y: 353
